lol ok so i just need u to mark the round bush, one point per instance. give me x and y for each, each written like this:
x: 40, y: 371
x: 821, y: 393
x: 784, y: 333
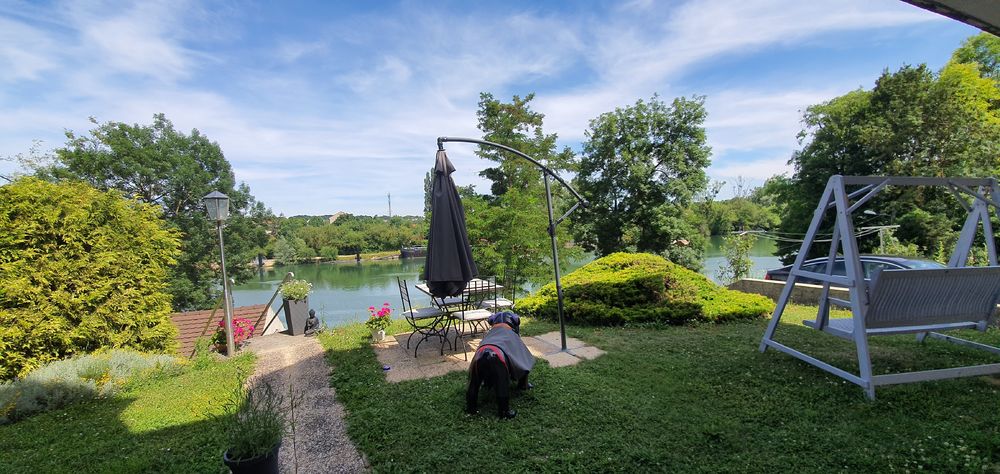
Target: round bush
x: 642, y: 288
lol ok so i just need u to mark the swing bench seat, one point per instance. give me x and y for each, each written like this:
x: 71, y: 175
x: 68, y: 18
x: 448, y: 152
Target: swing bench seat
x: 922, y: 302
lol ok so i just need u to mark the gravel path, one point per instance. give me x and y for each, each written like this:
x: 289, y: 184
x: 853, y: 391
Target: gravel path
x: 320, y: 443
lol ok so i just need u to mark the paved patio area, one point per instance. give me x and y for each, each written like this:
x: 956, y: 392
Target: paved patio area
x: 392, y: 352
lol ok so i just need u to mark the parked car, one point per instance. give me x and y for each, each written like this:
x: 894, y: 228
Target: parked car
x: 869, y: 263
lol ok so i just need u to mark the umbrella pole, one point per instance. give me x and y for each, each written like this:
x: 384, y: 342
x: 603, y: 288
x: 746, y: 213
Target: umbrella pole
x: 546, y: 173
x: 555, y: 261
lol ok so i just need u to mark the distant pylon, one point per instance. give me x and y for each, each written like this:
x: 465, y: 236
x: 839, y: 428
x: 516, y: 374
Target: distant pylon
x: 389, y: 196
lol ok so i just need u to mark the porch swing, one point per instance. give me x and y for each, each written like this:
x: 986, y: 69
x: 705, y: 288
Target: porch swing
x: 910, y: 301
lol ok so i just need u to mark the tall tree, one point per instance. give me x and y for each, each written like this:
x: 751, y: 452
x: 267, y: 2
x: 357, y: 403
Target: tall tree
x: 517, y: 192
x: 983, y: 50
x: 80, y: 270
x: 159, y: 165
x: 913, y: 122
x: 642, y: 165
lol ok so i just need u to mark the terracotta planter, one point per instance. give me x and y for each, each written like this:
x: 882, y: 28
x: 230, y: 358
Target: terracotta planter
x: 296, y: 314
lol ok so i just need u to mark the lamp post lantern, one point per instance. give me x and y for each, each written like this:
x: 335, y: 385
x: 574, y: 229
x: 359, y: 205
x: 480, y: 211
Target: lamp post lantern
x: 217, y: 205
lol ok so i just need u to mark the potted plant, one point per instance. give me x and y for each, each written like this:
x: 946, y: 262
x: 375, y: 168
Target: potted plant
x: 378, y: 320
x: 242, y: 331
x: 295, y: 296
x: 254, y: 425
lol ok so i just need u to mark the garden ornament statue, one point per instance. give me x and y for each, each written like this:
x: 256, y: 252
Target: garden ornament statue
x: 500, y: 358
x: 312, y: 323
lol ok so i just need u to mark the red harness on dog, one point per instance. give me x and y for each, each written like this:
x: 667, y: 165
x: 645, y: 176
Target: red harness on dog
x: 496, y: 350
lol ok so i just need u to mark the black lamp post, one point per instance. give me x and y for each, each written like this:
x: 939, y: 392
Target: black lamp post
x: 217, y: 205
x: 546, y: 174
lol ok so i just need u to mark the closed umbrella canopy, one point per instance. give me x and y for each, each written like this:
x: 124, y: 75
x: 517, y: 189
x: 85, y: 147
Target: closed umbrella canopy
x: 449, y: 265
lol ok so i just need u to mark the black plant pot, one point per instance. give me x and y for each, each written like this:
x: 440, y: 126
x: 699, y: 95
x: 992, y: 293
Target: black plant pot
x: 296, y: 314
x: 265, y: 464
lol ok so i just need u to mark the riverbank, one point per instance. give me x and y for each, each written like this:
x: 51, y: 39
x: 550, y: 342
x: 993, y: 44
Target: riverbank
x: 270, y: 263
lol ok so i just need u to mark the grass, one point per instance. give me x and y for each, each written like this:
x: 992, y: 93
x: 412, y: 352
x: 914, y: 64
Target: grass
x: 162, y: 424
x: 689, y: 398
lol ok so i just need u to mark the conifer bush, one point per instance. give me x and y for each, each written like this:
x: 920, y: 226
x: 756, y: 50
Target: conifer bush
x: 80, y: 270
x: 642, y: 288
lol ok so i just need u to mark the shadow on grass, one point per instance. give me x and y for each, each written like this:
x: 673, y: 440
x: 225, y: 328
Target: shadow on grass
x: 692, y: 398
x: 159, y: 427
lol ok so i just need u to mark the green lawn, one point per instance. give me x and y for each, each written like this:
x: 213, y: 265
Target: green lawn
x: 692, y: 398
x: 159, y: 425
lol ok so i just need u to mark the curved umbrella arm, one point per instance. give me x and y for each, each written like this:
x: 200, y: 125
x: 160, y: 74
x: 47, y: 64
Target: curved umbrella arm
x: 546, y: 173
x: 582, y: 202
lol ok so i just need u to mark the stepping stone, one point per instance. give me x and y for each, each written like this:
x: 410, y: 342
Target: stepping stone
x: 587, y: 352
x: 539, y: 348
x: 402, y: 373
x: 561, y: 359
x: 554, y: 339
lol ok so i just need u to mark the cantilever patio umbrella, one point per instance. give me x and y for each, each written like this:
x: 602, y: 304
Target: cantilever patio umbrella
x: 449, y: 265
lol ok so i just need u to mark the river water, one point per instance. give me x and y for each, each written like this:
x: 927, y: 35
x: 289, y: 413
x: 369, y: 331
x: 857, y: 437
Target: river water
x: 342, y: 292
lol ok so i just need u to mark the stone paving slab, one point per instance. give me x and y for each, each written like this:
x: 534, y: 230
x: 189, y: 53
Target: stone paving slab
x: 540, y: 348
x: 562, y: 359
x: 429, y: 361
x: 554, y: 339
x: 587, y: 352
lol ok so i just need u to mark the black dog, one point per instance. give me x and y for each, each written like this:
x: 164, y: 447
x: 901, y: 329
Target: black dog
x: 501, y: 357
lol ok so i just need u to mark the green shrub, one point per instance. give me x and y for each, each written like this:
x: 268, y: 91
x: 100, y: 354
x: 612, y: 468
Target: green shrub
x: 80, y: 270
x: 255, y: 421
x: 624, y: 288
x: 63, y: 382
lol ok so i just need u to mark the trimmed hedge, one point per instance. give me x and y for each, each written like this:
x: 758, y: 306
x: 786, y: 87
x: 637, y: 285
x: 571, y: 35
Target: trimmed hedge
x: 637, y: 288
x: 80, y: 270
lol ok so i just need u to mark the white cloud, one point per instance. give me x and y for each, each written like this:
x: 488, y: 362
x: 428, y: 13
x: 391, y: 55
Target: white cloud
x: 332, y: 118
x: 141, y: 40
x: 635, y: 58
x: 744, y: 119
x: 757, y: 170
x: 290, y: 51
x: 25, y: 52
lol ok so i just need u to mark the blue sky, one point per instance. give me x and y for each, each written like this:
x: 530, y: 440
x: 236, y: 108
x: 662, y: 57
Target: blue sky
x: 327, y: 106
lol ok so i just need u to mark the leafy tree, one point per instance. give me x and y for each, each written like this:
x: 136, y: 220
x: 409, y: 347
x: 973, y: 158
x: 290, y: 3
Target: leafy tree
x: 749, y: 209
x: 983, y: 50
x: 315, y: 236
x: 738, y: 262
x: 157, y: 164
x: 642, y: 166
x: 284, y: 252
x: 80, y: 270
x: 302, y: 251
x: 508, y: 228
x: 913, y: 122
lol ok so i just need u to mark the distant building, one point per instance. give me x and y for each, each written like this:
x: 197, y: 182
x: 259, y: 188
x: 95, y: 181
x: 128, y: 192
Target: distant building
x: 336, y: 216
